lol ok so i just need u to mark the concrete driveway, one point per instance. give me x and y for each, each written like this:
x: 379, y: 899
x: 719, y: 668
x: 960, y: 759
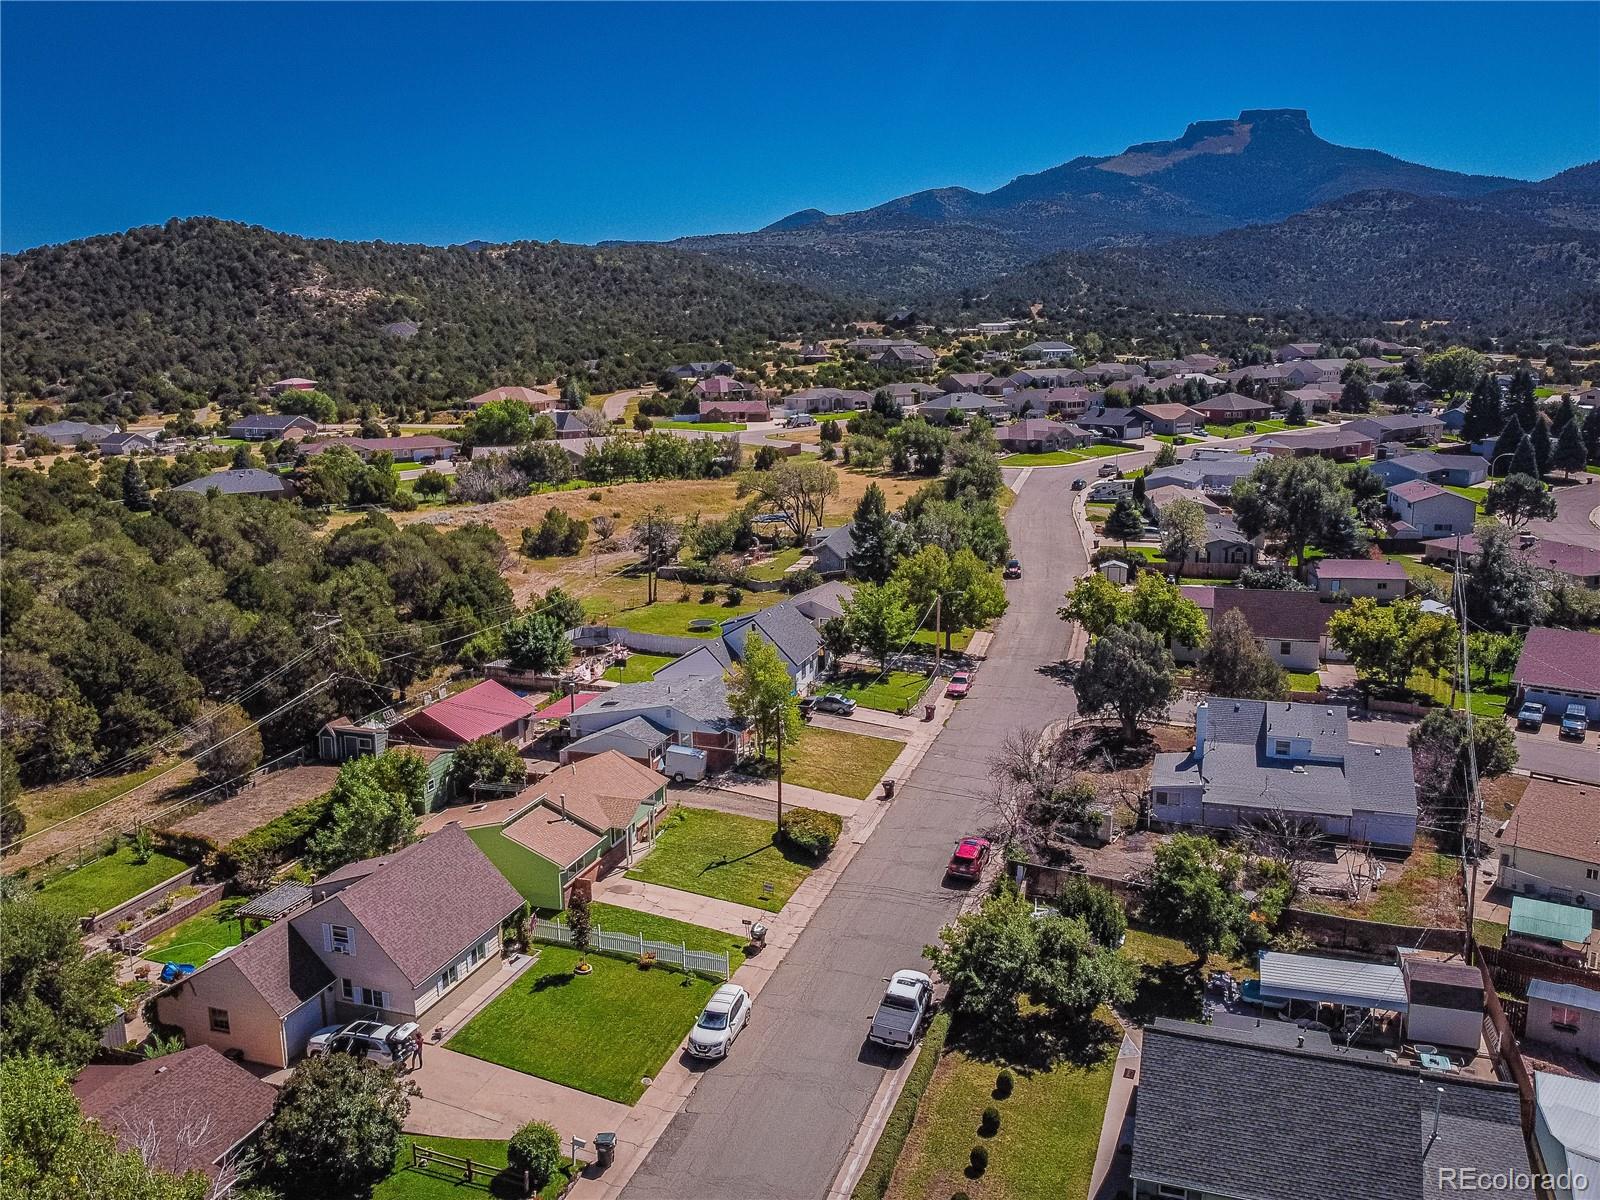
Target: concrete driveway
x: 776, y: 1119
x: 1548, y: 753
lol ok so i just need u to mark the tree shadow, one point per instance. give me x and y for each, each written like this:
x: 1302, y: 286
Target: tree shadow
x: 1167, y: 990
x: 1036, y: 1041
x: 1104, y: 748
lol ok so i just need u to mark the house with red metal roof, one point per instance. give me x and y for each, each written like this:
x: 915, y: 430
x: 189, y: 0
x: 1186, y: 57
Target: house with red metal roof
x: 486, y: 709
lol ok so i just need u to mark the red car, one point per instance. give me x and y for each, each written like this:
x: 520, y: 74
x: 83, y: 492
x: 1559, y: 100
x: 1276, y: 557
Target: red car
x: 970, y: 856
x: 960, y: 684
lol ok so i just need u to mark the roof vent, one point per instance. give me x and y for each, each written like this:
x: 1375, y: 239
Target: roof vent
x: 1377, y: 750
x: 1298, y: 769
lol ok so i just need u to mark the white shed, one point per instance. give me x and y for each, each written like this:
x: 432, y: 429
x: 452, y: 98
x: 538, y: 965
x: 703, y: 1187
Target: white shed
x: 1446, y: 1000
x: 1566, y: 1125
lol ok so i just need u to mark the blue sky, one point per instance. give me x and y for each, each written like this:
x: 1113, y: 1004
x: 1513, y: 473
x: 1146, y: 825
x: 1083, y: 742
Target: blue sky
x: 581, y: 122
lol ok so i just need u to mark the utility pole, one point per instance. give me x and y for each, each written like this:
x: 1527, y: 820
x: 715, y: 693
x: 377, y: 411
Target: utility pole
x: 779, y: 711
x: 938, y: 638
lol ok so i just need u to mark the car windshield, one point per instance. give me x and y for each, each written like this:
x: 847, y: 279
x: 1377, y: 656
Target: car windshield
x: 896, y: 1001
x: 714, y: 1020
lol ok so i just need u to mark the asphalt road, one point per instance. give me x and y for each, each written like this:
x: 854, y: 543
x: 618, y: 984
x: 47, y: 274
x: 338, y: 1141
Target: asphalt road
x: 777, y: 1117
x: 1574, y: 503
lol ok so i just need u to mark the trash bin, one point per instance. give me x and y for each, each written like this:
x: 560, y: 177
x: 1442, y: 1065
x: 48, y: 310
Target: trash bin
x: 888, y: 788
x: 605, y: 1149
x: 927, y: 712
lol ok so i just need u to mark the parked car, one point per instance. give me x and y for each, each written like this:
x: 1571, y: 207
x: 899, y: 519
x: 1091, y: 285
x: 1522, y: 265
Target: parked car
x: 725, y: 1016
x: 960, y: 684
x: 904, y: 1011
x: 969, y: 858
x: 1079, y: 484
x: 1530, y: 715
x: 1575, y: 721
x: 365, y: 1039
x: 1013, y: 569
x: 1110, y: 471
x: 834, y: 703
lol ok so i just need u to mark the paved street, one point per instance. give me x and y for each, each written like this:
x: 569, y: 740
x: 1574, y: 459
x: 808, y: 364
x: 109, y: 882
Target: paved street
x: 1574, y: 503
x: 776, y: 1119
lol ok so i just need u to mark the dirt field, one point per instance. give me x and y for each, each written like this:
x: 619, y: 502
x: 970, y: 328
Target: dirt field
x: 139, y: 804
x: 252, y: 808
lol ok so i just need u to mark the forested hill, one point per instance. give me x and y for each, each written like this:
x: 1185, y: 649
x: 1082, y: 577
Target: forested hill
x: 204, y: 303
x: 1519, y: 261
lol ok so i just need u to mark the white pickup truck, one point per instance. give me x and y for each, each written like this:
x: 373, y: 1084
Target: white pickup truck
x: 904, y: 1011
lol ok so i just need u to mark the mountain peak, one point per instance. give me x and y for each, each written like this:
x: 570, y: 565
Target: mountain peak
x: 1277, y: 120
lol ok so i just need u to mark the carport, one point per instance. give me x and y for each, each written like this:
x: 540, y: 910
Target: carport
x: 1359, y: 987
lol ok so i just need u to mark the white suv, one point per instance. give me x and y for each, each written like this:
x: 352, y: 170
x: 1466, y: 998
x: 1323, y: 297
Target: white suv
x: 726, y: 1014
x: 365, y: 1039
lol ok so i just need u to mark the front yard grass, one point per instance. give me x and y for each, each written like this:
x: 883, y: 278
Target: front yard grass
x: 1044, y: 1150
x: 723, y: 855
x: 673, y: 616
x: 603, y: 1033
x: 960, y: 639
x: 107, y: 882
x: 1475, y: 494
x: 894, y: 692
x: 1247, y: 428
x: 640, y: 668
x: 439, y: 1182
x: 770, y: 569
x: 708, y: 426
x: 1166, y: 984
x: 846, y: 764
x: 1047, y: 458
x: 615, y: 919
x: 1303, y: 681
x: 201, y: 936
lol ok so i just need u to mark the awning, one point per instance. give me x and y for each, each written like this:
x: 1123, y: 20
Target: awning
x: 1332, y: 981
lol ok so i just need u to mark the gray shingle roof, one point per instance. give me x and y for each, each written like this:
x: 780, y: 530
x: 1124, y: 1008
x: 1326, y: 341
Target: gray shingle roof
x: 786, y: 627
x: 250, y: 481
x: 703, y: 698
x: 1251, y: 1114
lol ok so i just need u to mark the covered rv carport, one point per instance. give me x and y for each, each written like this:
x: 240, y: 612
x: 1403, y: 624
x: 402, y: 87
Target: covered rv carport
x: 1360, y: 989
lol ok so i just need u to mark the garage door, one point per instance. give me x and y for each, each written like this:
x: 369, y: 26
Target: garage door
x: 300, y: 1025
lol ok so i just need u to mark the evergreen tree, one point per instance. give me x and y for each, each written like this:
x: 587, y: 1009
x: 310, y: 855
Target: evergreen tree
x: 1522, y: 401
x: 1125, y: 522
x: 1505, y: 446
x: 1569, y: 454
x: 135, y: 491
x: 242, y: 458
x: 1297, y: 413
x: 1526, y: 460
x: 1565, y: 414
x: 1540, y: 435
x: 875, y: 538
x: 1591, y: 438
x: 1483, y: 416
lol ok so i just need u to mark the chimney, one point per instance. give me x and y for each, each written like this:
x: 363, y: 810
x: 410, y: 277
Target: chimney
x: 563, y: 806
x: 1201, y: 728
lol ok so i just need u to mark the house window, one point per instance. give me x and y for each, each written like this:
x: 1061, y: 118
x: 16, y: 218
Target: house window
x: 1283, y: 647
x: 347, y: 989
x: 374, y: 998
x: 219, y: 1020
x: 1591, y: 872
x: 340, y: 939
x: 1280, y: 748
x: 1561, y: 1016
x: 1383, y: 585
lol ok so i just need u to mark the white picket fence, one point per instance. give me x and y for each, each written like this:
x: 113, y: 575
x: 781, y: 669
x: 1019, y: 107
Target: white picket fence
x: 633, y: 945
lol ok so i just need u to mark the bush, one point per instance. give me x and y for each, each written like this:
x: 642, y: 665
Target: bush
x: 707, y: 595
x: 811, y: 830
x: 252, y: 858
x: 980, y: 1160
x: 403, y: 502
x: 1003, y: 1083
x: 990, y: 1125
x: 536, y: 1149
x: 801, y: 581
x: 735, y: 595
x: 960, y: 1196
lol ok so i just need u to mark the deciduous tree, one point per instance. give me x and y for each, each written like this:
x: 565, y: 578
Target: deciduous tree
x: 1127, y: 671
x: 1183, y: 531
x: 334, y: 1130
x: 537, y: 641
x: 372, y: 809
x: 880, y: 620
x: 230, y: 746
x: 656, y: 538
x: 1235, y: 665
x: 761, y: 693
x: 55, y: 1001
x: 1518, y: 499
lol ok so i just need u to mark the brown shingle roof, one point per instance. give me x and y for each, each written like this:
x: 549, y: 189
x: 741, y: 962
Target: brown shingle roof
x: 1566, y: 659
x: 282, y: 968
x: 1359, y: 568
x: 1557, y: 818
x: 551, y: 836
x: 1295, y: 616
x: 189, y: 1108
x: 428, y: 902
x: 603, y: 791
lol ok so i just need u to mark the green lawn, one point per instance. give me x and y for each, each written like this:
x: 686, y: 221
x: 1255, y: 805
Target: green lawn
x: 1165, y: 985
x: 603, y: 1033
x: 1175, y: 439
x: 723, y: 855
x: 846, y: 764
x: 960, y: 639
x: 201, y: 936
x: 653, y: 928
x: 107, y: 882
x: 774, y: 568
x: 1247, y: 428
x: 673, y: 616
x: 439, y: 1182
x: 1049, y: 458
x: 1489, y: 933
x: 1098, y: 451
x: 1489, y: 697
x: 1421, y: 572
x: 1304, y: 681
x: 708, y: 426
x: 1044, y: 1150
x: 639, y: 668
x: 892, y: 693
x: 1475, y: 494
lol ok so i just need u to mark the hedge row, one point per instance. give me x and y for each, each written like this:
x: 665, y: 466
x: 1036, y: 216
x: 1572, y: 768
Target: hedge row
x: 874, y: 1181
x: 254, y: 856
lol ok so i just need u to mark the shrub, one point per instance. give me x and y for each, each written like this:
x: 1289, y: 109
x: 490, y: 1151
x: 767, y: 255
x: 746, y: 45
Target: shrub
x: 801, y: 581
x: 403, y: 502
x: 707, y: 595
x: 980, y: 1160
x: 960, y: 1196
x: 1003, y: 1084
x: 735, y: 595
x: 595, y: 496
x: 811, y: 830
x: 536, y: 1149
x: 990, y: 1125
x: 253, y: 857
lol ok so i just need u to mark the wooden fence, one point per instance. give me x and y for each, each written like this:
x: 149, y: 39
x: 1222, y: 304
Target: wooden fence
x: 481, y: 1174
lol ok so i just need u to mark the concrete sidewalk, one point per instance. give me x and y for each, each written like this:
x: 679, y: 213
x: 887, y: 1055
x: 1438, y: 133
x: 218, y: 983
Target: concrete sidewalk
x: 793, y: 795
x: 722, y: 915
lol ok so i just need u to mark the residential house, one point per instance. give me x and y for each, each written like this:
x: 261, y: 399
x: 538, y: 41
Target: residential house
x: 1230, y: 408
x: 578, y: 823
x: 1114, y: 424
x: 993, y: 328
x: 1260, y: 373
x: 70, y: 433
x: 1337, y: 578
x: 722, y: 387
x: 261, y: 427
x: 1171, y: 419
x: 1297, y: 351
x: 1457, y: 470
x: 1550, y: 848
x: 904, y: 356
x: 1157, y: 498
x: 246, y: 481
x: 1566, y: 1016
x: 700, y: 370
x: 486, y: 709
x: 1559, y: 667
x: 1036, y: 435
x: 823, y: 602
x: 734, y: 410
x: 1254, y: 759
x: 1158, y: 368
x: 814, y: 352
x: 1050, y: 401
x: 635, y: 739
x: 1313, y: 399
x: 342, y: 739
x: 1414, y: 429
x: 1292, y: 627
x: 1341, y: 444
x: 1580, y: 564
x: 968, y: 381
x: 1047, y: 352
x: 127, y: 443
x: 1426, y: 510
x: 826, y: 399
x: 189, y: 1111
x: 1323, y: 1122
x: 279, y: 386
x: 387, y: 939
x: 696, y: 710
x: 954, y: 407
x: 711, y: 659
x: 1311, y: 372
x: 833, y: 548
x: 532, y: 397
x: 787, y: 630
x: 573, y: 423
x: 908, y: 394
x: 1224, y: 543
x: 1048, y: 377
x: 1211, y: 471
x: 423, y: 448
x: 1566, y: 1126
x: 1203, y: 362
x: 1110, y: 372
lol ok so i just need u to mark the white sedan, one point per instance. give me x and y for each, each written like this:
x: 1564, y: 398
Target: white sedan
x: 725, y: 1016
